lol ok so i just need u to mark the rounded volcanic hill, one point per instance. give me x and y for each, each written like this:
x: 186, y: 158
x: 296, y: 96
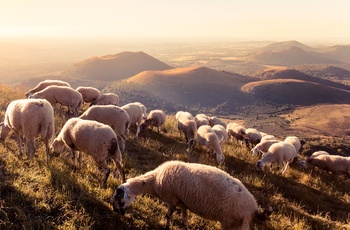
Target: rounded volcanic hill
x: 189, y: 87
x: 114, y: 67
x: 296, y: 92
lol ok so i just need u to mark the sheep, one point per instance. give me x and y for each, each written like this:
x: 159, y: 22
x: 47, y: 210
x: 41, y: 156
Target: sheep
x: 43, y: 84
x: 144, y: 109
x: 303, y: 163
x: 263, y: 147
x: 267, y: 137
x: 204, y: 190
x: 111, y: 115
x: 184, y: 115
x: 189, y: 128
x: 221, y: 133
x: 29, y: 118
x: 253, y: 137
x: 156, y: 118
x: 106, y: 99
x: 331, y: 163
x: 89, y: 94
x: 294, y: 141
x: 235, y: 130
x: 201, y: 119
x: 216, y: 121
x: 63, y: 95
x: 281, y: 152
x: 135, y: 113
x: 94, y: 138
x: 206, y: 136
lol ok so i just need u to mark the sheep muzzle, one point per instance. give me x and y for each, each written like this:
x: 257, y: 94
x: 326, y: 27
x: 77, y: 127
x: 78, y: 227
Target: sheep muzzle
x: 118, y: 201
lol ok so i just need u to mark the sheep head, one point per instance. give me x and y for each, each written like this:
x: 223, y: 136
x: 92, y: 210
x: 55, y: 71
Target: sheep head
x: 122, y: 199
x: 57, y: 147
x: 259, y: 165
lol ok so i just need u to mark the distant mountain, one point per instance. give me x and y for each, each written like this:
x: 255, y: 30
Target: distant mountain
x: 114, y: 67
x: 286, y: 45
x: 296, y: 92
x: 339, y: 52
x: 289, y: 57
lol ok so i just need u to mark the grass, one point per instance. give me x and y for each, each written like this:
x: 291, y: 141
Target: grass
x: 34, y: 195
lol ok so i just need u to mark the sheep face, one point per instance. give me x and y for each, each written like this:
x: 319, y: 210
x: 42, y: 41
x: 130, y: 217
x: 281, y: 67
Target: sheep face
x: 302, y: 164
x: 122, y: 199
x: 259, y: 165
x: 3, y: 131
x: 255, y: 152
x: 57, y: 147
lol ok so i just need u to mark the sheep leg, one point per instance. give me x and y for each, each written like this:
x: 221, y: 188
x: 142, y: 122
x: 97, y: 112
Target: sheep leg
x: 185, y: 217
x: 104, y: 168
x: 285, y: 168
x: 122, y: 141
x: 137, y: 130
x: 119, y: 167
x: 47, y: 150
x: 169, y: 214
x: 31, y: 148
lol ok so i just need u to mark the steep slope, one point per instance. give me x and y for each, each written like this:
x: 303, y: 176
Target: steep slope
x: 114, y: 67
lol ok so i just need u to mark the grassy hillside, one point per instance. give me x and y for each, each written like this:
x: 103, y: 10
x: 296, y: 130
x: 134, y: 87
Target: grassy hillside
x: 34, y: 195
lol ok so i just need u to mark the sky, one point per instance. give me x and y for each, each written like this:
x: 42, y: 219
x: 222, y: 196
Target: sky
x: 240, y: 19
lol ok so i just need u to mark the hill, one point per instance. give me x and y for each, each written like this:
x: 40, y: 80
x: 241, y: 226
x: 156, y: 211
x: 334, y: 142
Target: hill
x: 114, y: 67
x: 339, y: 52
x: 285, y: 45
x: 296, y: 92
x: 190, y: 87
x: 289, y: 57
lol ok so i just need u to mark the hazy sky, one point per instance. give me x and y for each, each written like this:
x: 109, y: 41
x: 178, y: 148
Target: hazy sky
x: 242, y: 19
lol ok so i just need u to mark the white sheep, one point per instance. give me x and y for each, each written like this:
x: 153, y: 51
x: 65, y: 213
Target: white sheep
x: 253, y: 137
x: 184, y: 115
x: 89, y: 94
x: 202, y: 119
x: 235, y: 130
x: 267, y: 137
x: 106, y: 99
x: 331, y: 163
x: 303, y: 163
x: 204, y: 190
x: 95, y: 139
x: 111, y: 115
x: 221, y: 133
x: 144, y: 109
x: 263, y: 147
x: 189, y: 128
x: 206, y: 136
x: 155, y: 118
x: 216, y: 121
x: 29, y: 118
x: 280, y: 153
x: 135, y: 113
x: 294, y: 141
x: 43, y: 84
x: 63, y: 95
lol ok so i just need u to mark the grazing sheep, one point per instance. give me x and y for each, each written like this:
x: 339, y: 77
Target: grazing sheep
x: 43, y: 84
x: 29, y: 118
x: 202, y: 119
x: 189, y: 128
x: 252, y: 138
x: 155, y: 118
x: 267, y: 137
x: 184, y: 115
x: 144, y: 109
x: 235, y: 130
x: 263, y: 147
x: 294, y: 141
x: 63, y: 95
x: 135, y: 113
x: 89, y: 94
x: 106, y: 99
x: 206, y: 136
x: 204, y: 190
x: 94, y: 138
x: 303, y: 163
x: 221, y: 133
x: 281, y: 152
x: 216, y: 121
x: 111, y: 115
x: 331, y: 163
